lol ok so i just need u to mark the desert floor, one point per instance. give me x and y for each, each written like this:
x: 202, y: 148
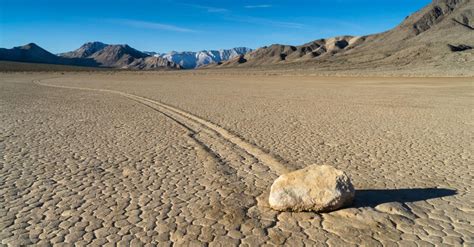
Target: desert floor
x: 188, y: 158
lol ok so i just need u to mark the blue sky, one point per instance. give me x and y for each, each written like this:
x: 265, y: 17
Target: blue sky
x: 165, y: 25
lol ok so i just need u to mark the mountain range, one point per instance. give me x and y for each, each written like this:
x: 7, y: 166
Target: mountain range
x: 439, y: 37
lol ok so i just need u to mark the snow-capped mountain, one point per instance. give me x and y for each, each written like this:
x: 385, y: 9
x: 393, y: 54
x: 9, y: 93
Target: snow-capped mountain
x: 191, y: 60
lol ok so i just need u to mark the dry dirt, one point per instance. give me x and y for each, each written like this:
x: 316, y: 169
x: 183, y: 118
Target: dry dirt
x: 163, y: 158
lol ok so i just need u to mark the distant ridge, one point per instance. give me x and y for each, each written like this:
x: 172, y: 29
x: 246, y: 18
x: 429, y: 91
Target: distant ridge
x: 92, y: 54
x: 32, y: 53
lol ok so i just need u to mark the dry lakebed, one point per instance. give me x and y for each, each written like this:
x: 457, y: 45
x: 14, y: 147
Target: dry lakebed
x: 188, y: 158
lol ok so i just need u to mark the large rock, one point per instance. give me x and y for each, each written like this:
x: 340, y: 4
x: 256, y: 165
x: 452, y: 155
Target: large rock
x: 314, y: 188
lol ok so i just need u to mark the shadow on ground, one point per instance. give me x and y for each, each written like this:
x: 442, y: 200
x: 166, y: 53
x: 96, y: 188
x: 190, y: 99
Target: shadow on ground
x: 372, y: 198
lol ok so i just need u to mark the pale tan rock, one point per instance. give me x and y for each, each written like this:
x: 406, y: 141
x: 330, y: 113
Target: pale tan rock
x: 314, y: 188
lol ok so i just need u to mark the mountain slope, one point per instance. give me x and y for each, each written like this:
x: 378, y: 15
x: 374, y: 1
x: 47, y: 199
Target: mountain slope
x: 191, y: 60
x: 441, y: 35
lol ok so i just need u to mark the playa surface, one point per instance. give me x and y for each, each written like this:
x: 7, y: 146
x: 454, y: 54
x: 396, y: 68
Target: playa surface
x: 188, y: 158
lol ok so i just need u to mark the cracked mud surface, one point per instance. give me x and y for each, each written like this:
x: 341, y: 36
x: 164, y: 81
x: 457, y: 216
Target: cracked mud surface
x: 188, y: 159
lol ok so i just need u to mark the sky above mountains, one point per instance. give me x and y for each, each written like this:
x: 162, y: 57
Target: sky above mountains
x: 165, y: 25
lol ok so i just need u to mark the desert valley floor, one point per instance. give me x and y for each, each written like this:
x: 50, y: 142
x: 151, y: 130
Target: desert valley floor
x: 188, y: 158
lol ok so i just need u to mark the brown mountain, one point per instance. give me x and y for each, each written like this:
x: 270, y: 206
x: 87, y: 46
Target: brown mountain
x: 441, y: 35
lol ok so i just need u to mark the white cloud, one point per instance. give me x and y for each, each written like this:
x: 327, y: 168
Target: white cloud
x: 208, y: 8
x: 258, y: 6
x: 151, y: 25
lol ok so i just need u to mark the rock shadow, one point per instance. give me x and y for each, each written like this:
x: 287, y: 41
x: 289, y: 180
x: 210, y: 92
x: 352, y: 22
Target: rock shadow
x: 372, y: 198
